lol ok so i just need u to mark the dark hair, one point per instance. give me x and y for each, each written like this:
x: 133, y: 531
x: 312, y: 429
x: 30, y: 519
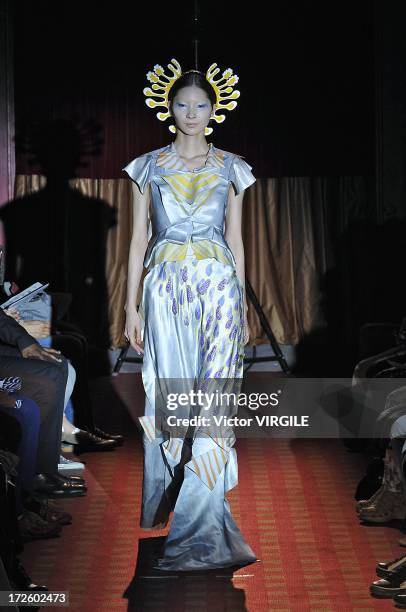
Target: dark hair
x: 195, y: 78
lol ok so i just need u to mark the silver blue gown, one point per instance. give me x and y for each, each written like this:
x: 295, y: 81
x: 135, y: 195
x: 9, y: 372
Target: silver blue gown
x: 192, y: 314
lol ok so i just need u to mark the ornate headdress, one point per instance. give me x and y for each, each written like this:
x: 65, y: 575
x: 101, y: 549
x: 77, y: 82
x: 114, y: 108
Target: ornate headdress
x: 157, y: 94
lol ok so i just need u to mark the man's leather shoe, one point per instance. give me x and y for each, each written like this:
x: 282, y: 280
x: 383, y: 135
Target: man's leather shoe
x: 48, y: 510
x: 387, y: 589
x: 68, y: 478
x: 21, y: 580
x: 400, y: 601
x: 107, y: 436
x: 33, y: 527
x: 50, y: 486
x: 88, y: 442
x: 392, y: 569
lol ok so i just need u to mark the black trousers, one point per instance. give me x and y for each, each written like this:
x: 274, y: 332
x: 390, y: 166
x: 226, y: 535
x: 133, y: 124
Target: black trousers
x: 45, y: 383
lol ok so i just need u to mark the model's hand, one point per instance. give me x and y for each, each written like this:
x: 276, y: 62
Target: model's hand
x: 132, y: 331
x: 35, y: 351
x: 246, y: 334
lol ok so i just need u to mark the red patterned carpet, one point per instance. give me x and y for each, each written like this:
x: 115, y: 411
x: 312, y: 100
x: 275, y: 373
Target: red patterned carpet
x: 293, y: 503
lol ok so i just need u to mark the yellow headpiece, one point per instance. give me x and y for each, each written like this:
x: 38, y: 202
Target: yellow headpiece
x: 157, y: 94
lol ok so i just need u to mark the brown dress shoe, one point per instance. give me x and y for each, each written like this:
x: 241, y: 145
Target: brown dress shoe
x: 49, y: 511
x: 388, y: 507
x: 33, y: 527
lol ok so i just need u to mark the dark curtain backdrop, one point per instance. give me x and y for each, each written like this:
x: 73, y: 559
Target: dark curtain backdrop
x: 306, y: 78
x: 291, y: 251
x: 305, y: 122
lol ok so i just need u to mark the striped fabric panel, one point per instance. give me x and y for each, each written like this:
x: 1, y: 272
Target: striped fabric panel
x: 148, y: 425
x: 173, y: 446
x: 225, y: 443
x: 169, y: 252
x: 216, y: 159
x: 169, y: 159
x: 202, y: 249
x: 203, y: 196
x: 209, y: 466
x: 191, y: 187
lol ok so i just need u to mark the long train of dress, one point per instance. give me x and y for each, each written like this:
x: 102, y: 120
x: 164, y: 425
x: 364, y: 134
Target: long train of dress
x: 192, y: 312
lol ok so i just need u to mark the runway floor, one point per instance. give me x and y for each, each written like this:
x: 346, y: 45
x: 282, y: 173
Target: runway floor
x: 294, y: 504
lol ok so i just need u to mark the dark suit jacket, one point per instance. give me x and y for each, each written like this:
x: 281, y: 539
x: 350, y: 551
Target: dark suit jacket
x: 13, y: 333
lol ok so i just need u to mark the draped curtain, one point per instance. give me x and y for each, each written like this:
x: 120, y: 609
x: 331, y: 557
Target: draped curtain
x: 287, y: 232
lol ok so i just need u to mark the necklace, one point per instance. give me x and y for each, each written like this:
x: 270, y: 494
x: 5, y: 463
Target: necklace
x: 184, y: 159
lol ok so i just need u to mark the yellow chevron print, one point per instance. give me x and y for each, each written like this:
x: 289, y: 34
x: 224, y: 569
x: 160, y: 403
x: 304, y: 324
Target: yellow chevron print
x: 208, y: 466
x: 148, y: 425
x: 191, y: 190
x: 201, y: 249
x: 173, y: 446
x: 192, y: 187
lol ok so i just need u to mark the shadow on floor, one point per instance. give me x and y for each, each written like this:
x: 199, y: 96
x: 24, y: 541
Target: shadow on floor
x: 180, y: 591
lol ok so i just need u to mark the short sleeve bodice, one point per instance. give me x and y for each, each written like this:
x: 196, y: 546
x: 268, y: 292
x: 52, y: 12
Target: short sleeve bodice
x: 188, y: 206
x: 139, y: 170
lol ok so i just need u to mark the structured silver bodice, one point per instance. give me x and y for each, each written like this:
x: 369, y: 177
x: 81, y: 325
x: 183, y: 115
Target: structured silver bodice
x: 188, y: 206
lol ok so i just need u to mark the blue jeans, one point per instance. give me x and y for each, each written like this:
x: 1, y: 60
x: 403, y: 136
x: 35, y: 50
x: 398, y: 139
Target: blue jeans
x: 28, y: 417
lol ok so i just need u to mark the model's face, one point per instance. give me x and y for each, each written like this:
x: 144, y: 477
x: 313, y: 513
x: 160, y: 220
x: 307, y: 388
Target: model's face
x: 191, y: 109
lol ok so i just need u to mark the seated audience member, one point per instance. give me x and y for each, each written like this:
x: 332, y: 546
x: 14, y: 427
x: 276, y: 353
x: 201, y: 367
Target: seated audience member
x: 90, y: 437
x: 35, y: 518
x: 44, y: 374
x: 12, y: 573
x: 19, y: 421
x: 82, y: 440
x: 389, y: 501
x: 36, y: 316
x: 392, y: 574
